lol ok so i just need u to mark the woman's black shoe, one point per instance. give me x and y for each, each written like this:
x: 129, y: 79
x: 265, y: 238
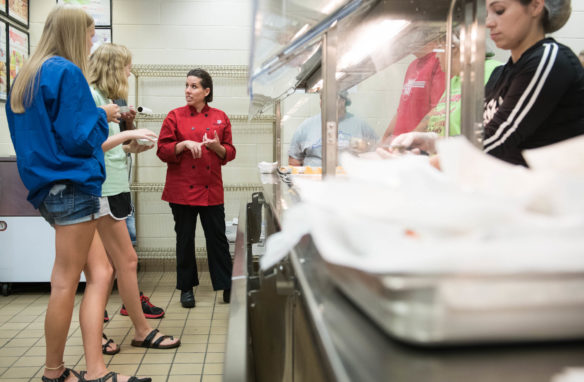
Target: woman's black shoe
x: 227, y: 296
x: 187, y: 299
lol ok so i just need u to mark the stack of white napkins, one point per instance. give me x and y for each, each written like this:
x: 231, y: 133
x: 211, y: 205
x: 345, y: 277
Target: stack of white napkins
x: 480, y: 215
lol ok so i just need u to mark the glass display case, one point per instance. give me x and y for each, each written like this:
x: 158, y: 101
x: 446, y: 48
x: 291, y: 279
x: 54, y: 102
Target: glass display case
x: 389, y: 58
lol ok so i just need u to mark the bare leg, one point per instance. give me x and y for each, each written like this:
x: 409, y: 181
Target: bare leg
x: 119, y: 247
x: 72, y: 245
x: 99, y: 274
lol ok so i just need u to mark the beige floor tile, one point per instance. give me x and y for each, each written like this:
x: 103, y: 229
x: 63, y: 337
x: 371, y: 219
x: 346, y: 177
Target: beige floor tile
x: 6, y: 333
x: 194, y: 339
x: 14, y: 326
x: 37, y: 350
x: 11, y: 351
x: 190, y: 330
x: 124, y: 359
x: 4, y: 341
x: 158, y: 358
x: 72, y: 359
x: 37, y: 361
x: 218, y: 330
x: 23, y: 319
x: 129, y: 349
x: 7, y: 361
x: 212, y: 368
x: 214, y: 358
x: 186, y: 368
x: 122, y: 322
x: 216, y: 348
x: 219, y: 322
x: 20, y: 372
x: 169, y: 315
x: 153, y: 369
x: 15, y: 379
x: 75, y: 341
x: 189, y: 358
x: 73, y: 349
x: 32, y: 333
x: 217, y: 338
x: 23, y: 342
x: 212, y: 378
x: 129, y: 369
x: 192, y: 348
x: 183, y: 378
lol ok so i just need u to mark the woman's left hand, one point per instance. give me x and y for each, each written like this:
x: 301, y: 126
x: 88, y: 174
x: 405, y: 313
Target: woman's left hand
x: 212, y: 144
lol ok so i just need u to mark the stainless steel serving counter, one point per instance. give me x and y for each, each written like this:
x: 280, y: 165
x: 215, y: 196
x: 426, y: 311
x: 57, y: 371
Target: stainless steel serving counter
x: 300, y: 327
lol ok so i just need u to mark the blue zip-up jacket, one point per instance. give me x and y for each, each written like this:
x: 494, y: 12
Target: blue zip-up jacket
x: 59, y: 136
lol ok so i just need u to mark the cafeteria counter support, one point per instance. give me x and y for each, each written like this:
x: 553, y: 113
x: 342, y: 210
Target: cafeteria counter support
x: 291, y: 323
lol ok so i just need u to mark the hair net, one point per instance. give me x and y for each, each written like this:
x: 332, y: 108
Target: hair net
x: 344, y: 95
x: 558, y: 13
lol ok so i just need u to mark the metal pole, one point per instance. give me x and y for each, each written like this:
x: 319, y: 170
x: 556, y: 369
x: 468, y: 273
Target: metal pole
x: 277, y: 133
x: 472, y: 44
x: 448, y: 51
x: 329, y: 103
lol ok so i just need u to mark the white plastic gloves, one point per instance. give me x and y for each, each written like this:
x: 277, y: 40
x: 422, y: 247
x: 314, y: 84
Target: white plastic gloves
x: 416, y: 140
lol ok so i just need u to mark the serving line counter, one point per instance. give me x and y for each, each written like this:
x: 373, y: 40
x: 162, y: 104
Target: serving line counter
x: 293, y: 324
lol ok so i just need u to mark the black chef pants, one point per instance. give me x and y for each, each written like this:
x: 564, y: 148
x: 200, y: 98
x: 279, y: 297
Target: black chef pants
x: 218, y: 256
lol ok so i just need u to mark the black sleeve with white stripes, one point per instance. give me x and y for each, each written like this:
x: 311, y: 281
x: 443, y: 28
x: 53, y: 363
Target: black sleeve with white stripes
x: 527, y: 107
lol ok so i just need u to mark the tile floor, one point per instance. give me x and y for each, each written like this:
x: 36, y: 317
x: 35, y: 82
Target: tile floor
x: 202, y: 331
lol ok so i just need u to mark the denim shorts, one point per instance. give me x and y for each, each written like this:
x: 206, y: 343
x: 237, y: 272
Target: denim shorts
x: 66, y: 205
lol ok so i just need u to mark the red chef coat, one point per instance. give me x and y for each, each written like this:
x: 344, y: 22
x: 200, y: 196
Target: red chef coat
x: 190, y: 181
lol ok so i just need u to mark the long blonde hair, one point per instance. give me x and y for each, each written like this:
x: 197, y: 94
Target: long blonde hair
x: 64, y: 35
x: 106, y: 70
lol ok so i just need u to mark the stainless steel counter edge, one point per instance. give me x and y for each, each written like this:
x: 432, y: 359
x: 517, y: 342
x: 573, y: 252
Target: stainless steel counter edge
x: 236, y: 355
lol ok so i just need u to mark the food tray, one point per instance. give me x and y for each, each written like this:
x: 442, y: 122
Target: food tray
x: 468, y: 309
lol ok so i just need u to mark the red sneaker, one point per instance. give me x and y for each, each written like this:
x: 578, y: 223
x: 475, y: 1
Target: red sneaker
x: 150, y: 311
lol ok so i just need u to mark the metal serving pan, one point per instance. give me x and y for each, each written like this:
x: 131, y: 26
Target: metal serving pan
x: 468, y: 309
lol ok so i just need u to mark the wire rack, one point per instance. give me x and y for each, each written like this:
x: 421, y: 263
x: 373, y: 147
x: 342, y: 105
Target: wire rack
x: 224, y: 71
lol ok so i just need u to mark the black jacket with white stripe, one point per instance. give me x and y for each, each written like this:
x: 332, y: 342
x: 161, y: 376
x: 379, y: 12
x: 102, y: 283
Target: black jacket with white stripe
x: 537, y: 101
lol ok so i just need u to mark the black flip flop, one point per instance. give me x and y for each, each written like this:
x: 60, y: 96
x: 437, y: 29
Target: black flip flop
x: 107, y: 344
x: 147, y: 343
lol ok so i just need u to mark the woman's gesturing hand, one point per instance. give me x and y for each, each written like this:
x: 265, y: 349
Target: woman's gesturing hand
x: 214, y: 145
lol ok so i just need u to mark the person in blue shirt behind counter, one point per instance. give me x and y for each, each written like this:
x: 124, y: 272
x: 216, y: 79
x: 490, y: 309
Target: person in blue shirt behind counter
x: 306, y: 145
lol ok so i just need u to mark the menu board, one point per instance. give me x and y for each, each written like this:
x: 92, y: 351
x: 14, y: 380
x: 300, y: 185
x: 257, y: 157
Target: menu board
x: 17, y: 50
x: 100, y: 10
x: 3, y: 62
x: 18, y: 10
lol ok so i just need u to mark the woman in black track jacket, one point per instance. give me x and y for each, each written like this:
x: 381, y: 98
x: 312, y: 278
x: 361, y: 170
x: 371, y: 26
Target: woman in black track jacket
x: 537, y: 98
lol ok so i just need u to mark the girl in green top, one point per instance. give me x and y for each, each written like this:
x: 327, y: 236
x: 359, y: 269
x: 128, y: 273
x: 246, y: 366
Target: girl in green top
x: 109, y: 68
x: 435, y: 120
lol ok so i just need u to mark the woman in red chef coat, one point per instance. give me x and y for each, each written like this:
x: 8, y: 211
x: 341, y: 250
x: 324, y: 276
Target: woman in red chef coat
x: 195, y: 141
